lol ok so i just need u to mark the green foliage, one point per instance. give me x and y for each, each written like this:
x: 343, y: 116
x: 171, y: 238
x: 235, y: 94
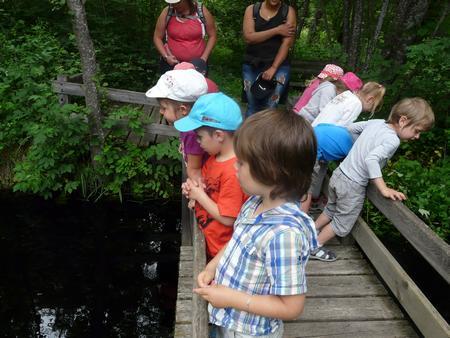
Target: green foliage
x: 426, y: 73
x: 59, y: 144
x: 125, y: 167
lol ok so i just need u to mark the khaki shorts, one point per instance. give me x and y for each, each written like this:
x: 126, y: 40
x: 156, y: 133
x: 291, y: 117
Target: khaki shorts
x: 345, y: 202
x: 319, y: 172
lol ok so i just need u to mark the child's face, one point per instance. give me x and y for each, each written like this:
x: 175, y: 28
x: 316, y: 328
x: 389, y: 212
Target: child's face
x: 408, y: 132
x: 170, y: 111
x: 249, y: 185
x: 209, y: 143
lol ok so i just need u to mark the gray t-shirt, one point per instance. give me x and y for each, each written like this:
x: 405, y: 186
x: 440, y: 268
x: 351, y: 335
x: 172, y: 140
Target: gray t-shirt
x: 319, y: 99
x: 376, y: 144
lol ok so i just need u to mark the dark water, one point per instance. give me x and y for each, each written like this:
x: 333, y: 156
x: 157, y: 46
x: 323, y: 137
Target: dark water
x: 77, y: 269
x: 432, y: 285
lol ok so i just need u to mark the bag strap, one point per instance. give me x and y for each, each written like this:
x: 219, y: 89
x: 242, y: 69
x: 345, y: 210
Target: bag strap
x: 200, y: 15
x: 256, y: 8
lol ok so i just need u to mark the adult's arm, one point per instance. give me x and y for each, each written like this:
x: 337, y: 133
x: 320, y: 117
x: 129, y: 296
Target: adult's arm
x: 252, y: 37
x: 283, y: 51
x: 158, y: 38
x: 211, y: 32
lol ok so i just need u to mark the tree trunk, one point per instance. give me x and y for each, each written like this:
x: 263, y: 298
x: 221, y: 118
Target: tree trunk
x: 410, y: 15
x: 346, y: 25
x: 302, y: 17
x: 376, y: 34
x: 315, y: 23
x: 353, y: 52
x: 89, y: 66
x: 442, y: 18
x: 325, y: 22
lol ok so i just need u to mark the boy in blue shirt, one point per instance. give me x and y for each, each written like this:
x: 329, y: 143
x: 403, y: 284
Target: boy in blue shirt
x: 258, y: 279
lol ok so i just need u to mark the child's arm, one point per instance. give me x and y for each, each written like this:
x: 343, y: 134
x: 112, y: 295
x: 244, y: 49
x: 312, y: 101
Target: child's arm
x: 198, y: 193
x: 282, y: 307
x: 194, y: 166
x: 356, y: 129
x: 386, y: 191
x: 205, y: 277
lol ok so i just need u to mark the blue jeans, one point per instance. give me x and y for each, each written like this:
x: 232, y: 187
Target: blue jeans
x: 249, y: 75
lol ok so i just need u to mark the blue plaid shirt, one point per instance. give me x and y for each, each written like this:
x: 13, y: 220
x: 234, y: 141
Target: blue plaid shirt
x: 267, y: 255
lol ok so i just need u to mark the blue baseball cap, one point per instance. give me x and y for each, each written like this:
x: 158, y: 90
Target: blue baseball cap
x: 215, y: 110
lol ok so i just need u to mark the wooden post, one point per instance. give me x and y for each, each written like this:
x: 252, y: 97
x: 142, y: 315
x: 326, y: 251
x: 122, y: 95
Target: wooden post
x: 62, y: 98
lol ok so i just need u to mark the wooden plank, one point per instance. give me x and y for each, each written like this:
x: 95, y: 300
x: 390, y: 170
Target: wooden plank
x: 184, y: 311
x: 183, y: 330
x: 199, y: 306
x: 119, y: 95
x: 354, y: 329
x: 422, y: 312
x: 422, y: 238
x: 62, y: 98
x: 345, y: 286
x: 161, y: 129
x: 339, y: 267
x: 186, y: 253
x: 186, y: 226
x: 351, y: 309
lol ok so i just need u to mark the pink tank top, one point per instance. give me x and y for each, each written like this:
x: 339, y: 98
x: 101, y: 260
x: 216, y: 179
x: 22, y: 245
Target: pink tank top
x: 306, y: 96
x: 185, y: 38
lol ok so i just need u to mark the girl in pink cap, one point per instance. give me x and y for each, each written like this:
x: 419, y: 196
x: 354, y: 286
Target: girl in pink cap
x: 329, y: 72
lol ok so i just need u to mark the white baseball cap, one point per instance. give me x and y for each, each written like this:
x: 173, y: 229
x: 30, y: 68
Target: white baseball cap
x: 183, y: 85
x: 172, y: 1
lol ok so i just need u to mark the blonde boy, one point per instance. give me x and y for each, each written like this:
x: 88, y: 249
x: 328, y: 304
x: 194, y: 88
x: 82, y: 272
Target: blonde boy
x: 376, y: 144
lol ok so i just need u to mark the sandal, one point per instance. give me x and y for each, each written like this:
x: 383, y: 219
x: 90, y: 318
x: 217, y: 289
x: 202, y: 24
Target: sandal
x: 323, y: 254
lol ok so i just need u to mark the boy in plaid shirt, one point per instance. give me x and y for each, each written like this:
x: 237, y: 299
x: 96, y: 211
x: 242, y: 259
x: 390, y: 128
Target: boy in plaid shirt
x: 258, y: 279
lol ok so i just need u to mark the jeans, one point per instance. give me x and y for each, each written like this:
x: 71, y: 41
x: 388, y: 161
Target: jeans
x: 227, y: 333
x: 249, y: 75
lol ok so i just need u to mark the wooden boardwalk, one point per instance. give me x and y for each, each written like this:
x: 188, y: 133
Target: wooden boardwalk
x: 345, y: 299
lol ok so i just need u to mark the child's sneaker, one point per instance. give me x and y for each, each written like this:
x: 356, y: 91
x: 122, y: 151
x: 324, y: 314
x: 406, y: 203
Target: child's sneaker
x: 323, y: 254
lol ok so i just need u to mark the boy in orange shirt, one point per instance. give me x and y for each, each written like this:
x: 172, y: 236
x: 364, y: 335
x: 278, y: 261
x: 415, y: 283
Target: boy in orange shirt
x: 219, y: 197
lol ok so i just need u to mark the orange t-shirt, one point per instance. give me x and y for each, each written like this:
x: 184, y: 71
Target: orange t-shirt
x: 222, y: 186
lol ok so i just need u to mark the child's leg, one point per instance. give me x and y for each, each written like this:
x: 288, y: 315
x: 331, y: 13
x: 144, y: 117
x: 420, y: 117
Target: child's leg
x: 322, y: 220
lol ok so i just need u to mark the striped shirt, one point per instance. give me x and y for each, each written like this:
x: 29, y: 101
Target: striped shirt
x: 267, y: 255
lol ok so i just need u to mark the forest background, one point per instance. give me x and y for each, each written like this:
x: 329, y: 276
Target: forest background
x: 44, y: 147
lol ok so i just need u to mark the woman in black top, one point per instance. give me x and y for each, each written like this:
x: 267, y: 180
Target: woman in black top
x: 269, y: 31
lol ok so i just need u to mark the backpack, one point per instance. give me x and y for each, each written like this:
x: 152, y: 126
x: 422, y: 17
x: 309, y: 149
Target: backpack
x: 200, y: 15
x: 284, y: 10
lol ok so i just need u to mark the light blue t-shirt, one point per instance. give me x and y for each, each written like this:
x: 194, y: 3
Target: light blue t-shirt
x: 333, y: 142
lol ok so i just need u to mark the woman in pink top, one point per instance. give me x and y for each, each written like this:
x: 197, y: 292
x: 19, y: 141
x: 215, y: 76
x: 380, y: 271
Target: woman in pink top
x: 180, y: 33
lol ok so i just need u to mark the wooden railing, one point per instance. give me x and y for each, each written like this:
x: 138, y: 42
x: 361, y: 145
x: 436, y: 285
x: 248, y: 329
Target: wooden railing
x: 424, y: 315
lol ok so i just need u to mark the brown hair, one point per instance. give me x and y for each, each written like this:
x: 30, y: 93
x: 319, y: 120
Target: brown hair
x: 281, y: 150
x: 375, y: 90
x: 417, y: 110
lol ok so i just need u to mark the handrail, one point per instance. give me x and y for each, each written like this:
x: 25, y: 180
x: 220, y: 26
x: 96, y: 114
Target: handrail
x: 423, y: 239
x: 199, y: 305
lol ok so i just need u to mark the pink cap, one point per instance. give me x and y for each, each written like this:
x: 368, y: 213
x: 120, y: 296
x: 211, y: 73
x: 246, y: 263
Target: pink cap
x: 184, y: 66
x: 331, y: 70
x: 353, y: 82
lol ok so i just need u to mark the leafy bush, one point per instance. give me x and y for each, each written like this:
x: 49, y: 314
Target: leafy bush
x: 125, y: 167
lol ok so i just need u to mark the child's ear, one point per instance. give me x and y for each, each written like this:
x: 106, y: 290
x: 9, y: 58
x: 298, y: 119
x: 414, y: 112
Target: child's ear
x: 219, y: 134
x: 403, y: 121
x: 184, y: 109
